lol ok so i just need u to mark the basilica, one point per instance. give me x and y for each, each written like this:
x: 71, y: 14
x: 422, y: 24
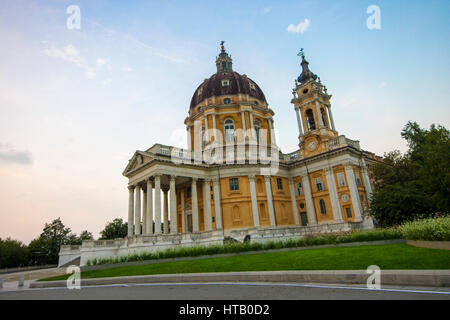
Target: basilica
x: 233, y: 181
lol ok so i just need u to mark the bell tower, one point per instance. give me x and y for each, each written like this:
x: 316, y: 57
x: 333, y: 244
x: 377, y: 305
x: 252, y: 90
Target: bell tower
x: 313, y: 108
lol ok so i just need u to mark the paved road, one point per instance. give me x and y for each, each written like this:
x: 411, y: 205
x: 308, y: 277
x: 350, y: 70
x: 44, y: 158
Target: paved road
x: 220, y: 291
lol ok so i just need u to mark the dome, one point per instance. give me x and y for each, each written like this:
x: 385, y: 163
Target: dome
x: 215, y: 86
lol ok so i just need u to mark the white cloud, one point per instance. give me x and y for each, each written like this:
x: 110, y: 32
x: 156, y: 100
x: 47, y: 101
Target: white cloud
x: 126, y: 69
x: 300, y: 28
x: 71, y: 54
x: 266, y: 10
x: 100, y: 62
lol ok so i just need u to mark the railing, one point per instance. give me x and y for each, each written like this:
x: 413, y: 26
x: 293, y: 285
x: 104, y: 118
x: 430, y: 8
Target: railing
x: 342, y: 141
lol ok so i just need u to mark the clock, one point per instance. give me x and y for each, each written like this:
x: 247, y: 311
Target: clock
x: 312, y: 146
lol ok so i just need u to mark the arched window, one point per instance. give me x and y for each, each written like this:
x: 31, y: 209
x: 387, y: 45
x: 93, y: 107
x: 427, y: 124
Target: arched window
x: 322, y: 111
x: 257, y: 129
x: 229, y: 130
x: 323, y: 208
x: 310, y: 120
x: 226, y: 101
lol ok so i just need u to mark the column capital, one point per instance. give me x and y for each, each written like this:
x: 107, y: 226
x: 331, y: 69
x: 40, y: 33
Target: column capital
x: 328, y: 170
x: 194, y: 180
x: 251, y: 177
x: 207, y: 179
x: 131, y: 187
x: 267, y: 178
x: 215, y: 179
x: 173, y: 178
x: 157, y: 176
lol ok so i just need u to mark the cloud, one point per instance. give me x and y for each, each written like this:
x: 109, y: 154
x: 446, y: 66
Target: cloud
x: 9, y: 155
x: 126, y: 69
x: 300, y: 28
x: 71, y: 54
x: 266, y: 10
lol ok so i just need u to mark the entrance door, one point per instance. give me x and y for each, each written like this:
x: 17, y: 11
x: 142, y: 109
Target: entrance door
x: 304, y: 218
x: 189, y: 223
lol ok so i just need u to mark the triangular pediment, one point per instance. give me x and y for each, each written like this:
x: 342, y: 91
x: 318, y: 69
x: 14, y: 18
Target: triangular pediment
x: 139, y: 159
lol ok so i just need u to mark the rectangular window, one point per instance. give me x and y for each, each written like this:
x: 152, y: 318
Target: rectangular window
x: 280, y: 184
x: 319, y: 184
x: 234, y: 184
x: 341, y: 179
x: 188, y: 193
x: 348, y: 212
x: 358, y: 180
x: 323, y: 208
x: 299, y: 189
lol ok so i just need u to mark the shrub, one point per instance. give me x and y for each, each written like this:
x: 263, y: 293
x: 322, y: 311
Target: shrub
x: 431, y: 229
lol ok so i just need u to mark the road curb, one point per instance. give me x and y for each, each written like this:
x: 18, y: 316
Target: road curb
x: 426, y: 278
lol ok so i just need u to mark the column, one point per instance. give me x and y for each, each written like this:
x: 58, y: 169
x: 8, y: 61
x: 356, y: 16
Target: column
x: 319, y: 115
x: 272, y: 133
x: 217, y: 203
x: 183, y: 218
x: 173, y: 207
x: 334, y: 197
x: 130, y: 210
x: 294, y: 202
x: 206, y: 128
x: 214, y: 126
x: 149, y: 226
x: 353, y: 192
x: 299, y: 122
x: 309, y: 202
x: 244, y: 127
x: 166, y: 211
x: 331, y: 117
x: 195, y: 227
x: 269, y: 201
x: 207, y: 204
x: 366, y: 178
x: 189, y: 140
x: 252, y: 125
x: 158, y: 204
x: 251, y: 178
x: 137, y: 211
x: 144, y: 211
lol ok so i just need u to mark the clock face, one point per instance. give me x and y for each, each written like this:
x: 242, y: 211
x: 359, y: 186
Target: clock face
x: 312, y: 145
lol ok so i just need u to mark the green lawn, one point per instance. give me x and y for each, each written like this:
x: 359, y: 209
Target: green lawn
x: 394, y: 256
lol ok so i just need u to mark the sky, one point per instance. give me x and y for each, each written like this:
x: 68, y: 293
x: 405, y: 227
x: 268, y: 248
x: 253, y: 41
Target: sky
x: 75, y: 104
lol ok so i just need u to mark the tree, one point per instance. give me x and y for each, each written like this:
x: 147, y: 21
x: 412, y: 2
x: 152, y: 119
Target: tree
x: 86, y: 235
x: 45, y: 249
x: 416, y: 184
x: 114, y: 230
x: 13, y: 253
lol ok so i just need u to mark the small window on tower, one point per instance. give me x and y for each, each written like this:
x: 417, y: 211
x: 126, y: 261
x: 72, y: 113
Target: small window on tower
x: 199, y: 92
x: 225, y: 83
x: 279, y: 184
x: 305, y: 91
x: 252, y: 85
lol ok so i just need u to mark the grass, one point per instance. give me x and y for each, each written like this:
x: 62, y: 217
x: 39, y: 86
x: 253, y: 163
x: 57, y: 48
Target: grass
x: 393, y: 256
x: 312, y: 240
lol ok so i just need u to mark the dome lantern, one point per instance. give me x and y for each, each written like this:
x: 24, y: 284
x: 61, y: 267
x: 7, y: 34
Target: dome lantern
x: 224, y: 62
